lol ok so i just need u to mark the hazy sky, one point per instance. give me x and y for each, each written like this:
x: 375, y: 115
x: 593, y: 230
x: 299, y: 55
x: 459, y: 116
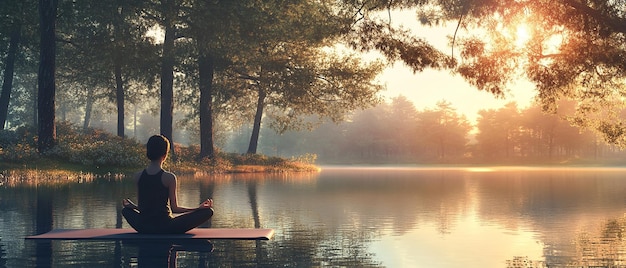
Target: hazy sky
x: 425, y: 89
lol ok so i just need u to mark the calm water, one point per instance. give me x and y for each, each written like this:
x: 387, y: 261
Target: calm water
x: 351, y: 217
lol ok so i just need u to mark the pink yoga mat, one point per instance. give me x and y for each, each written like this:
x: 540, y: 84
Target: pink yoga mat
x: 131, y: 234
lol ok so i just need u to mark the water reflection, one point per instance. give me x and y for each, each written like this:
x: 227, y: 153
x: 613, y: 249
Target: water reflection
x: 397, y: 203
x: 164, y: 253
x: 351, y: 217
x: 604, y: 248
x: 518, y: 262
x: 43, y: 223
x: 3, y: 255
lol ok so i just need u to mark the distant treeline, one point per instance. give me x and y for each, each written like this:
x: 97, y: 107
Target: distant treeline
x: 396, y: 132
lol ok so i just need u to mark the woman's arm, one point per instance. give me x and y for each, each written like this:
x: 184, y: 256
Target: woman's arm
x: 172, y: 184
x: 127, y: 202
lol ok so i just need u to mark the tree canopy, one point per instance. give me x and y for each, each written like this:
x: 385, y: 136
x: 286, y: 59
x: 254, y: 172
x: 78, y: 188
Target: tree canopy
x: 227, y: 63
x: 570, y: 49
x: 97, y: 53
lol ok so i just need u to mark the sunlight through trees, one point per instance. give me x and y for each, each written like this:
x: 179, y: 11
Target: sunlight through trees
x: 225, y: 65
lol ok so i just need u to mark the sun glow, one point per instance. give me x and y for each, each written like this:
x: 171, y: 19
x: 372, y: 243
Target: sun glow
x: 522, y: 35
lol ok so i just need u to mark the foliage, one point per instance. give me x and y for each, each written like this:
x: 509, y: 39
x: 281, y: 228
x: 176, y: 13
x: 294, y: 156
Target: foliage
x: 443, y: 132
x: 17, y: 23
x: 254, y: 159
x: 97, y: 149
x: 104, y: 47
x: 112, y: 52
x: 571, y: 50
x: 307, y: 158
x: 18, y: 145
x: 369, y: 33
x: 94, y: 148
x: 575, y: 51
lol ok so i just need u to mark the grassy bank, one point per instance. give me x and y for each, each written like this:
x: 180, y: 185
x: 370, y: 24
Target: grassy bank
x: 95, y: 153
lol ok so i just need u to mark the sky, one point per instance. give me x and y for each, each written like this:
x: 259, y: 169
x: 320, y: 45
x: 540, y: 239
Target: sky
x: 426, y: 88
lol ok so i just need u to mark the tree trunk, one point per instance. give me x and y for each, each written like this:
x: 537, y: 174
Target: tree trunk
x: 206, y: 69
x: 7, y: 84
x: 88, y: 109
x: 34, y: 104
x: 167, y: 84
x: 63, y: 111
x: 256, y: 128
x: 119, y: 83
x: 119, y: 97
x: 46, y: 78
x: 135, y: 120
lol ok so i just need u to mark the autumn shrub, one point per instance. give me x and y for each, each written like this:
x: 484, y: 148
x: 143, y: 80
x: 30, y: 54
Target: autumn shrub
x: 95, y: 147
x: 115, y: 151
x: 242, y: 159
x: 92, y: 147
x: 254, y: 159
x: 186, y: 154
x: 18, y: 146
x: 305, y: 159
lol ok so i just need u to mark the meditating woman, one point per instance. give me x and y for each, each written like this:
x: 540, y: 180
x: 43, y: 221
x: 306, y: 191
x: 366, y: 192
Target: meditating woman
x: 157, y: 197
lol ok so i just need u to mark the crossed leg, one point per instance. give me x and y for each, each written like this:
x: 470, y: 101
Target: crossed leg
x: 177, y: 225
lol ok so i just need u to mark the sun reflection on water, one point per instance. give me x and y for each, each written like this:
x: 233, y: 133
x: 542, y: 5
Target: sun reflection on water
x: 480, y: 169
x: 470, y: 243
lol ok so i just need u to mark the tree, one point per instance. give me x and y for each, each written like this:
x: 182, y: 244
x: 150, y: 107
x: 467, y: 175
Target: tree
x: 168, y: 20
x: 367, y: 32
x: 402, y: 120
x: 368, y: 138
x: 275, y: 60
x: 129, y: 53
x: 572, y: 50
x: 103, y: 47
x: 214, y: 39
x: 285, y: 71
x: 7, y: 84
x: 18, y: 59
x: 443, y: 132
x: 15, y: 21
x: 549, y: 136
x: 46, y: 84
x: 498, y: 132
x: 542, y: 129
x: 313, y: 83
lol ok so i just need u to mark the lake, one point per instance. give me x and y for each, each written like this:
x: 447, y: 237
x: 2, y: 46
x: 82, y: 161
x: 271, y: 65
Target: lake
x: 345, y: 216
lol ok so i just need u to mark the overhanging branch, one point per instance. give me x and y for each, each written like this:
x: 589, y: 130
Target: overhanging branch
x: 617, y: 24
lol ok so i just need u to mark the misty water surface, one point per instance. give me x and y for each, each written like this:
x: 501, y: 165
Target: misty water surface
x: 355, y: 217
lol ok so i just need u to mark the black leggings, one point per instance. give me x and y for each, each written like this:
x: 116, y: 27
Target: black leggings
x: 176, y: 225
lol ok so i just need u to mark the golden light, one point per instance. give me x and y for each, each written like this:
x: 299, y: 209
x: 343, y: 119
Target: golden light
x: 522, y: 35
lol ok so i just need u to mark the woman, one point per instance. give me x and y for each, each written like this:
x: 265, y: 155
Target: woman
x: 156, y: 192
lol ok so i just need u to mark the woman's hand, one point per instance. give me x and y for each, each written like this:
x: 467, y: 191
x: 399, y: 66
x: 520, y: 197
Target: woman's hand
x: 206, y: 204
x: 127, y: 203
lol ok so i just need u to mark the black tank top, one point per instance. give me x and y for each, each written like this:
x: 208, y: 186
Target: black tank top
x: 153, y: 196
